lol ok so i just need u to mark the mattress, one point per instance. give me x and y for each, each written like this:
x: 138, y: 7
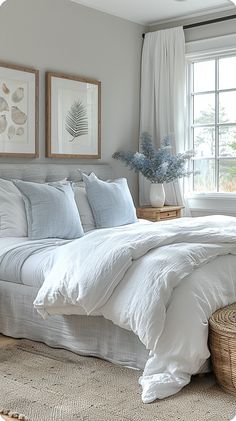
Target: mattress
x: 34, y: 268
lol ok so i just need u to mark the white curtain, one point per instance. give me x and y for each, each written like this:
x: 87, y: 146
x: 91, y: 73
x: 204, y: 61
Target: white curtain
x: 163, y: 98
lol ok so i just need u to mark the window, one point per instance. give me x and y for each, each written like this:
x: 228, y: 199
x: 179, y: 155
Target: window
x: 212, y: 118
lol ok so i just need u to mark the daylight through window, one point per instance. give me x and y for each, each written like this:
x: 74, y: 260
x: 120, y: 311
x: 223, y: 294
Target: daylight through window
x: 212, y: 106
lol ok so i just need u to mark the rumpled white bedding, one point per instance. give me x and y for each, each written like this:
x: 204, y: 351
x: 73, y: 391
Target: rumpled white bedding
x: 128, y: 274
x: 20, y: 257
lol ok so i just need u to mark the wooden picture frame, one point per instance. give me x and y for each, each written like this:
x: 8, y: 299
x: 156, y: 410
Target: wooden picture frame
x: 73, y: 116
x: 19, y: 111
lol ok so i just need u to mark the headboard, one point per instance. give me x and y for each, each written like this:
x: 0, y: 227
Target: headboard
x: 45, y: 172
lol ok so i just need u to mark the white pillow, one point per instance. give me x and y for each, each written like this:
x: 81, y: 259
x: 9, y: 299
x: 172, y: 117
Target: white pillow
x: 13, y: 222
x: 85, y: 211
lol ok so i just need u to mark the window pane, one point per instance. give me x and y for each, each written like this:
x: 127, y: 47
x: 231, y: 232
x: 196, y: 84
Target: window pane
x: 227, y: 170
x: 204, y: 76
x: 227, y: 72
x: 205, y: 180
x: 227, y: 108
x: 227, y: 141
x: 204, y: 108
x: 204, y: 142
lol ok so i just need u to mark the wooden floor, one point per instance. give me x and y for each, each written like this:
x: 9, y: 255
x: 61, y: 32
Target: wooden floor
x: 5, y: 340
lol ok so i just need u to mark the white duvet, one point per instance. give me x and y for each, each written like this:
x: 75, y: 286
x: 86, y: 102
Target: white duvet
x: 128, y: 275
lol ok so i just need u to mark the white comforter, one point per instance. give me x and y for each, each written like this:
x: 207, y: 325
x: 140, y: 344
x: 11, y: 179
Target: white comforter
x: 128, y: 274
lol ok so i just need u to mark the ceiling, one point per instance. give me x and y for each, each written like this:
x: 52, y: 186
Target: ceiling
x: 148, y: 12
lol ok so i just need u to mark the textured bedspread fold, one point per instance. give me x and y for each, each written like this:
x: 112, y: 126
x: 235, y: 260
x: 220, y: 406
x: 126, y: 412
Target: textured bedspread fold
x: 13, y: 257
x: 87, y: 270
x: 128, y: 274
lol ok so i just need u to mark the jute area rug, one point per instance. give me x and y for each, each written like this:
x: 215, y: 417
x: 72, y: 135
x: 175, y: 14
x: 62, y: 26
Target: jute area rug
x: 49, y: 384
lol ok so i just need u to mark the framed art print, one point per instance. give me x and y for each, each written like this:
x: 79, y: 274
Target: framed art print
x: 18, y: 111
x: 73, y: 116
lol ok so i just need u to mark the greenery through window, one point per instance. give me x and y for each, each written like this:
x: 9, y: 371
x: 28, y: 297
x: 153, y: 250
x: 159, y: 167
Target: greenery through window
x: 213, y: 124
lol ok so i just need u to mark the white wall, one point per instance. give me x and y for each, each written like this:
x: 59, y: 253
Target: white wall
x: 60, y: 35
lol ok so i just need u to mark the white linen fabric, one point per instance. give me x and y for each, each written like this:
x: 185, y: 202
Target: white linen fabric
x: 13, y: 221
x: 183, y: 345
x: 135, y: 270
x: 15, y: 253
x: 82, y: 203
x: 162, y: 98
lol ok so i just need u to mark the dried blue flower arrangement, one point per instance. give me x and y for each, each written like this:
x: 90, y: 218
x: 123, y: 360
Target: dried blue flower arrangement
x: 157, y: 165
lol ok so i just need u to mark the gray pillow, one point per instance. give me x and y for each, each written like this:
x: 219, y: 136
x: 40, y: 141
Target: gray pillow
x: 110, y: 201
x: 51, y: 210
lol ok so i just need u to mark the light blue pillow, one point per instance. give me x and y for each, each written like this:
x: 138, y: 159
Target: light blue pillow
x: 51, y: 210
x: 110, y: 201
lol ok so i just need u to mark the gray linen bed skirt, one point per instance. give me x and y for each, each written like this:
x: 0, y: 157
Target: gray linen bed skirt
x: 85, y: 335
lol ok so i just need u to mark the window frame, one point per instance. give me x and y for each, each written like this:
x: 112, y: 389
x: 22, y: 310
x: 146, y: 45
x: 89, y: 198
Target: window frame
x: 191, y: 58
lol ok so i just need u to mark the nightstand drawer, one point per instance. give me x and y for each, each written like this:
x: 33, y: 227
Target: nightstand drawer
x: 171, y: 214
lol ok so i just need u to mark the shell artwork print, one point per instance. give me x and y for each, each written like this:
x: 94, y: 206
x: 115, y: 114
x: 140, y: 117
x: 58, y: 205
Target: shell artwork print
x: 11, y: 132
x: 20, y: 131
x: 3, y: 105
x: 3, y: 123
x: 19, y: 110
x: 13, y: 112
x: 18, y: 95
x: 18, y: 116
x: 5, y: 89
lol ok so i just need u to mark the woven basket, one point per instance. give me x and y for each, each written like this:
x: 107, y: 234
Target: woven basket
x: 222, y: 343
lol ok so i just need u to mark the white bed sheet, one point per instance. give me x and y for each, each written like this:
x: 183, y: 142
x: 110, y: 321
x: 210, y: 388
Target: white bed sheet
x: 33, y: 270
x: 11, y: 241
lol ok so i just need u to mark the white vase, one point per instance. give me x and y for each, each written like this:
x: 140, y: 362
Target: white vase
x: 157, y: 195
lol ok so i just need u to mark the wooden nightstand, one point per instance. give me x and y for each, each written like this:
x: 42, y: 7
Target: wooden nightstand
x: 159, y: 214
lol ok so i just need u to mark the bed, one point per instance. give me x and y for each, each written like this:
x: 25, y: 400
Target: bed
x: 166, y: 333
x: 94, y: 336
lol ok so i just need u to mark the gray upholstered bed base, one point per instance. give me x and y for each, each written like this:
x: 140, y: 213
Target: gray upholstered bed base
x: 84, y: 335
x: 41, y: 173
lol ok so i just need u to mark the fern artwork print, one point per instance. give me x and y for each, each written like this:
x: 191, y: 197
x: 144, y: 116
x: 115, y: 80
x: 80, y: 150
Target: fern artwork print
x: 77, y: 120
x: 73, y: 115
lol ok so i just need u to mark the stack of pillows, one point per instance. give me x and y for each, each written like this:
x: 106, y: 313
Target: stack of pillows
x: 63, y: 209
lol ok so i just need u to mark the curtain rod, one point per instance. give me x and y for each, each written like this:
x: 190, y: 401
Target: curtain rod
x: 206, y: 22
